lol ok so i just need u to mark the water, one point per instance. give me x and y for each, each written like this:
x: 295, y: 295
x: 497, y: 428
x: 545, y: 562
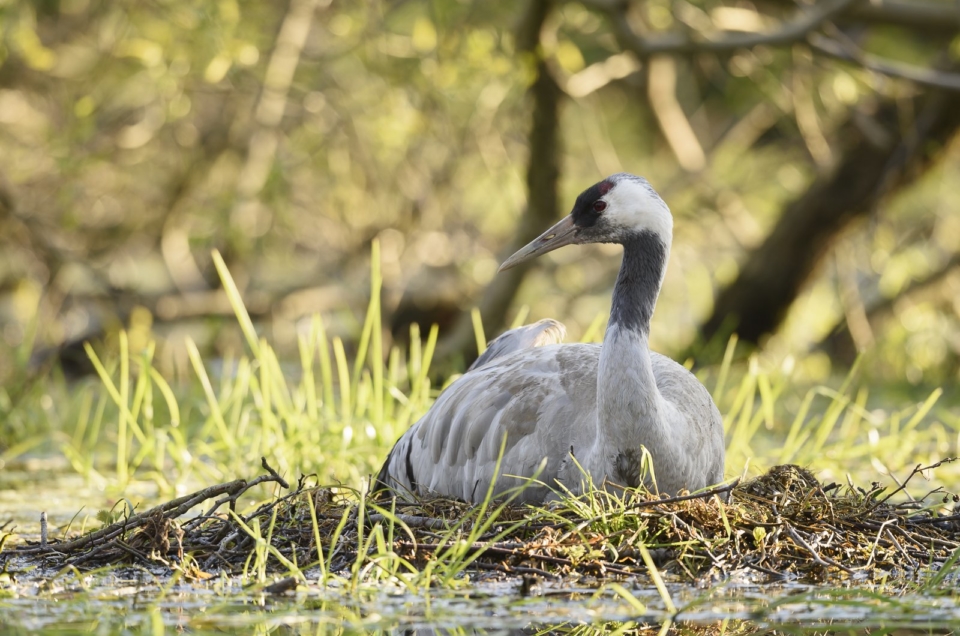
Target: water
x: 138, y: 602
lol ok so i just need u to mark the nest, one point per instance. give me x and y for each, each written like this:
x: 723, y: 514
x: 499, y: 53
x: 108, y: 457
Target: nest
x: 784, y: 524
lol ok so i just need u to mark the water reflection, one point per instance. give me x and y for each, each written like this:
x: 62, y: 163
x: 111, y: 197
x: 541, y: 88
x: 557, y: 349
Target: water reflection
x: 110, y: 604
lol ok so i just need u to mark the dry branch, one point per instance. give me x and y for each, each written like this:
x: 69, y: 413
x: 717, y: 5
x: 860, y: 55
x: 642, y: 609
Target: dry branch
x: 643, y: 46
x: 801, y: 29
x: 847, y: 51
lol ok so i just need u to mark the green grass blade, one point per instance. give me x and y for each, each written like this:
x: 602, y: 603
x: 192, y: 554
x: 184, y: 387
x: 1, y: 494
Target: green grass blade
x: 236, y: 303
x: 212, y: 401
x: 326, y: 368
x: 478, y: 331
x: 376, y: 353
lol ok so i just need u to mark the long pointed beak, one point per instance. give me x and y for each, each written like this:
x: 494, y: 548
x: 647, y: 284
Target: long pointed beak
x: 563, y: 233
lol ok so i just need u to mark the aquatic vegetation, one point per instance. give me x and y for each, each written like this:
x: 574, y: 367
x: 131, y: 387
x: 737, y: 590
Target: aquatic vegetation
x: 331, y: 419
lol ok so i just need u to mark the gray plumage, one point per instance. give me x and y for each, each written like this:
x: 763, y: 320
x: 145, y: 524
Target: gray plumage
x: 568, y: 413
x: 541, y: 333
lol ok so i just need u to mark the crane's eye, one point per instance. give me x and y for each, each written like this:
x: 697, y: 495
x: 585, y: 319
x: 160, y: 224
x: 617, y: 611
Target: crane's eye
x: 599, y: 206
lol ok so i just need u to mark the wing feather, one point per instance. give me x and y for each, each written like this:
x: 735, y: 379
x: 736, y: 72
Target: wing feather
x: 539, y: 334
x: 453, y: 449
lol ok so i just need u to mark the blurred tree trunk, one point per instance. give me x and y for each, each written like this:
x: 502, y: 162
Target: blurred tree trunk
x: 880, y: 153
x: 543, y: 175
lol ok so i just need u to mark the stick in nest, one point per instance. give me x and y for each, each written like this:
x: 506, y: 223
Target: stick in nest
x: 171, y: 510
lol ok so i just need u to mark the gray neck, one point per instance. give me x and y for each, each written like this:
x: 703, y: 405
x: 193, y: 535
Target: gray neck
x: 638, y: 284
x: 630, y: 408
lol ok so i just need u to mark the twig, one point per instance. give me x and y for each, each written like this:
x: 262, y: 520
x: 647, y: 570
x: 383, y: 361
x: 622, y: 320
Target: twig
x: 173, y: 508
x: 267, y: 507
x: 933, y: 520
x: 950, y: 545
x: 876, y: 543
x: 131, y: 550
x: 703, y: 494
x: 824, y: 561
x: 726, y: 41
x: 170, y: 509
x: 847, y: 51
x: 906, y: 535
x: 280, y: 480
x: 87, y: 556
x: 649, y: 503
x: 916, y: 14
x: 411, y: 520
x: 899, y: 547
x: 515, y: 569
x: 918, y: 504
x: 916, y: 471
x: 696, y: 536
x: 492, y: 549
x: 201, y: 519
x: 778, y: 575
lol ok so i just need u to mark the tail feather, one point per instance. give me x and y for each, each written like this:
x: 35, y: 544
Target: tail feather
x: 381, y: 485
x: 396, y: 478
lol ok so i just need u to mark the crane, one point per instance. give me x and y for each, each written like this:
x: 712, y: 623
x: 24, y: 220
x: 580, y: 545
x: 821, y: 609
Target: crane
x: 568, y: 412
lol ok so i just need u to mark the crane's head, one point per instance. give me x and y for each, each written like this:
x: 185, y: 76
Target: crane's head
x: 615, y: 210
